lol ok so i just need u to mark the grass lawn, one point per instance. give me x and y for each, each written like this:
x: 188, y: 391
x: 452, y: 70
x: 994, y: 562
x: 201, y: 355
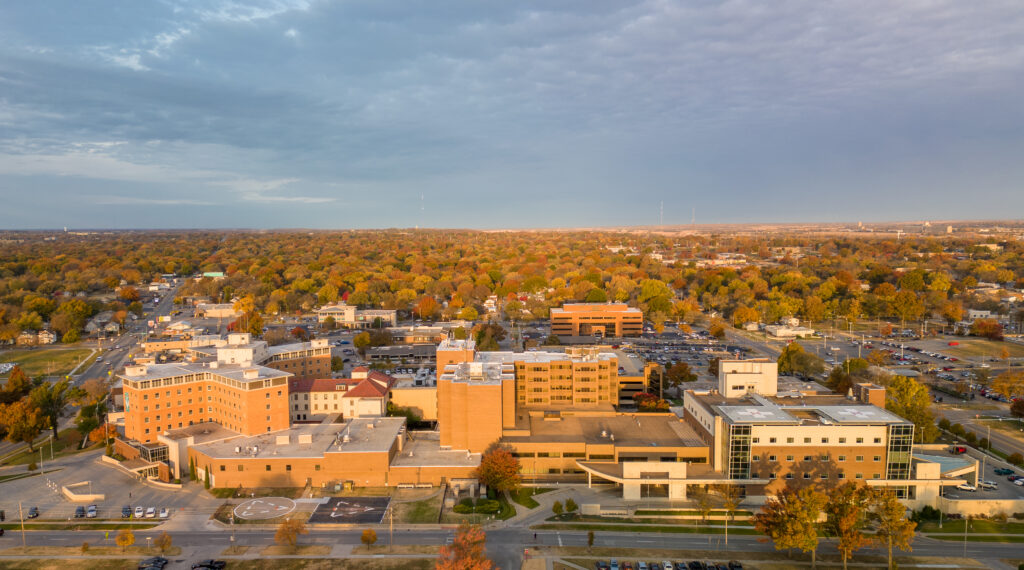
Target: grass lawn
x: 333, y: 564
x: 426, y: 511
x: 976, y: 538
x: 980, y: 347
x: 247, y: 493
x: 1010, y: 428
x: 692, y: 513
x: 43, y: 564
x: 979, y: 526
x: 45, y: 361
x: 396, y: 549
x: 524, y: 496
x: 66, y: 444
x: 673, y: 529
x: 300, y: 550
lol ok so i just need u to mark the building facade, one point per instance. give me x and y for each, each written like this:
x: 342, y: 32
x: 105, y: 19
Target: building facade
x: 597, y: 319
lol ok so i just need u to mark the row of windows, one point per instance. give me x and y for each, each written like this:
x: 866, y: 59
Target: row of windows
x: 810, y: 440
x: 267, y: 467
x: 824, y: 457
x: 773, y: 476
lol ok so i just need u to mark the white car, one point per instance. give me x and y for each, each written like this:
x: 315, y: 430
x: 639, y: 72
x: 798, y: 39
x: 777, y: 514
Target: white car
x: 1019, y: 482
x: 966, y: 487
x: 989, y: 485
x: 139, y: 512
x: 165, y: 512
x: 151, y: 513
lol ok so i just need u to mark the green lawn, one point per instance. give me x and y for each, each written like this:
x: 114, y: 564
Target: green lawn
x: 66, y: 444
x: 980, y: 347
x: 977, y: 538
x: 692, y: 513
x: 426, y: 511
x: 45, y: 361
x: 524, y: 496
x: 979, y: 526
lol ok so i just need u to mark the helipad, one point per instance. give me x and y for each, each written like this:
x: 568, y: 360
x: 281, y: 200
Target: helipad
x: 264, y: 508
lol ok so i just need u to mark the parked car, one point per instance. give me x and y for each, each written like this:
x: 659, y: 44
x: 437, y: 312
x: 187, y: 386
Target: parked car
x: 154, y: 562
x: 151, y: 513
x: 33, y: 513
x: 734, y: 565
x: 1019, y: 482
x: 139, y: 512
x: 1004, y: 471
x: 126, y: 512
x: 966, y: 487
x: 165, y: 512
x: 91, y: 512
x: 989, y: 485
x: 212, y: 564
x: 79, y: 512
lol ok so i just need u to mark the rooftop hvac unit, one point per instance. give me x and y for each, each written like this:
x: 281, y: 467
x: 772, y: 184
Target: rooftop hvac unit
x: 345, y: 438
x: 238, y: 449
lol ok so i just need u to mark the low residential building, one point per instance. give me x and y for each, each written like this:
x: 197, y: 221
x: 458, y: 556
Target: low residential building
x: 348, y: 316
x: 597, y: 319
x: 365, y: 394
x: 216, y: 311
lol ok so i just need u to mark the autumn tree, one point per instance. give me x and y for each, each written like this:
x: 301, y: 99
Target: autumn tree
x: 23, y: 420
x: 288, y: 532
x: 125, y: 538
x: 466, y: 552
x: 892, y: 528
x: 847, y: 517
x: 987, y: 328
x: 17, y: 387
x: 163, y: 541
x: 1009, y: 384
x: 909, y: 399
x: 499, y: 468
x: 426, y: 307
x: 369, y: 537
x: 361, y: 341
x: 790, y: 519
x: 677, y: 374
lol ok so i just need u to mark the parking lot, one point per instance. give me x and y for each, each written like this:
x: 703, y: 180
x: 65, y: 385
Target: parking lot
x: 119, y: 488
x: 1004, y: 489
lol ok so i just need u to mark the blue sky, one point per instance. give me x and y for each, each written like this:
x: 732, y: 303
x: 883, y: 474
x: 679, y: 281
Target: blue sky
x: 324, y: 114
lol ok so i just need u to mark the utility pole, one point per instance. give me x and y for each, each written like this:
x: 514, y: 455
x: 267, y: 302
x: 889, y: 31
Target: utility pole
x: 21, y: 515
x: 391, y: 529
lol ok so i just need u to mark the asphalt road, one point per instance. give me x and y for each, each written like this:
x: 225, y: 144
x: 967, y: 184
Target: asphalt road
x: 505, y: 547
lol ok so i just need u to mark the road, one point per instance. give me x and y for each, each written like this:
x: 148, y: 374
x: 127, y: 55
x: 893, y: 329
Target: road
x: 505, y: 547
x: 967, y: 418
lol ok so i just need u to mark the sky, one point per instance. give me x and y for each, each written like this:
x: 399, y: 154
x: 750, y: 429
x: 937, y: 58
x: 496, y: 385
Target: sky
x: 554, y: 113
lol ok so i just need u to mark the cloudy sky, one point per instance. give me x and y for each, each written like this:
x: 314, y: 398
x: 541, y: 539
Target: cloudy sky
x: 342, y: 114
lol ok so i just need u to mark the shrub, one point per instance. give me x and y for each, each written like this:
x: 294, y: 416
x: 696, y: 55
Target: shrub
x: 999, y: 517
x: 1019, y: 516
x: 32, y: 466
x: 463, y: 509
x: 1016, y: 459
x: 570, y: 505
x: 971, y: 438
x: 957, y: 430
x: 488, y: 506
x: 944, y: 424
x: 926, y: 513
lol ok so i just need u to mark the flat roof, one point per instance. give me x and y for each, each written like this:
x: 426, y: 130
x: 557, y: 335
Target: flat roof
x: 202, y: 432
x: 423, y: 449
x: 509, y: 357
x: 946, y: 463
x: 366, y: 435
x: 633, y: 430
x: 595, y: 307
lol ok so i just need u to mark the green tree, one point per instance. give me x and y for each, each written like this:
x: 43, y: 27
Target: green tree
x: 786, y: 357
x: 847, y: 509
x: 790, y: 520
x: 337, y: 364
x: 557, y: 508
x: 677, y: 374
x: 892, y: 528
x: 590, y: 539
x: 52, y: 399
x: 499, y: 468
x: 570, y: 505
x: 910, y: 400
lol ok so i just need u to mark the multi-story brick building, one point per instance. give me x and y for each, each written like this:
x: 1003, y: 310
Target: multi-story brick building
x: 597, y: 319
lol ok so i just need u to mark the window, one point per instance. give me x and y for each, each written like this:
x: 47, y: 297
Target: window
x: 789, y: 440
x: 824, y: 440
x: 859, y: 458
x: 807, y: 475
x: 876, y: 476
x: 789, y: 458
x: 823, y: 457
x: 878, y: 440
x: 858, y: 476
x: 860, y: 440
x: 771, y: 440
x: 841, y: 476
x: 756, y: 458
x: 842, y: 440
x: 807, y: 458
x: 267, y: 395
x: 239, y: 467
x: 287, y: 467
x: 841, y: 458
x: 222, y: 468
x: 316, y: 467
x: 756, y: 440
x: 807, y: 440
x: 824, y: 475
x: 771, y: 476
x: 877, y: 458
x: 771, y: 458
x: 789, y: 475
x: 268, y: 467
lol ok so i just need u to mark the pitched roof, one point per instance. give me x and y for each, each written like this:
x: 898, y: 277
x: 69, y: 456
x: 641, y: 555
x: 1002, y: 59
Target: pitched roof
x: 375, y: 385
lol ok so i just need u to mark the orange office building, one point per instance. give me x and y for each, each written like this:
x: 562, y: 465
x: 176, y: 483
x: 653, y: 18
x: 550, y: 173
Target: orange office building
x: 597, y: 319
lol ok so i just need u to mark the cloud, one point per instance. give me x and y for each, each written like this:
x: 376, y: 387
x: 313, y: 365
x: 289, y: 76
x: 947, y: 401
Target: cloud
x: 108, y: 200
